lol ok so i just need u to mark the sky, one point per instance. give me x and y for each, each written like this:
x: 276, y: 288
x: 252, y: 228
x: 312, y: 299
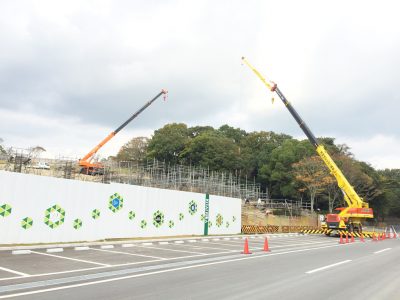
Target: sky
x: 72, y: 71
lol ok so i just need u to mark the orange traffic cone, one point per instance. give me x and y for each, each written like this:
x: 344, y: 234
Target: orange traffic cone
x: 352, y: 237
x: 266, y: 247
x: 341, y: 239
x: 246, y: 247
x: 362, y: 238
x: 347, y: 238
x: 374, y: 237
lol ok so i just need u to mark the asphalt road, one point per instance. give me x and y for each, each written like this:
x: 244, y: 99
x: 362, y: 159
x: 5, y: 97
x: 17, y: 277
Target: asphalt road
x: 297, y: 267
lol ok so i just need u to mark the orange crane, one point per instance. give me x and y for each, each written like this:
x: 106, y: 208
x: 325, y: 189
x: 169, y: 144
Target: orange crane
x: 96, y: 168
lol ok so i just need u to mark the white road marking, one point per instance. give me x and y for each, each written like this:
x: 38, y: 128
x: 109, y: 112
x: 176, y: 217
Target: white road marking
x: 127, y: 245
x: 18, y: 252
x: 107, y: 247
x: 54, y: 250
x: 179, y: 242
x: 215, y: 239
x: 81, y: 248
x: 131, y: 254
x: 14, y: 272
x: 69, y: 258
x: 204, y: 240
x: 380, y: 251
x: 192, y: 241
x: 214, y: 248
x: 147, y: 244
x: 227, y: 239
x: 163, y: 243
x: 157, y: 272
x: 167, y: 249
x: 329, y: 266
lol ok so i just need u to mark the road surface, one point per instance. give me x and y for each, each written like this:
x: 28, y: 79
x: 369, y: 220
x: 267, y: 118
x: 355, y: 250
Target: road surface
x: 297, y: 267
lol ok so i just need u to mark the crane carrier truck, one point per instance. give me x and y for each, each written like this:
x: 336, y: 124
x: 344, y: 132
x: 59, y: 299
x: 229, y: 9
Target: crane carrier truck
x: 349, y: 218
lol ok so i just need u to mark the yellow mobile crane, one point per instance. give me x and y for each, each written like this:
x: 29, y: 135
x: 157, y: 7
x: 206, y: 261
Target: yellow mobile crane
x: 350, y: 217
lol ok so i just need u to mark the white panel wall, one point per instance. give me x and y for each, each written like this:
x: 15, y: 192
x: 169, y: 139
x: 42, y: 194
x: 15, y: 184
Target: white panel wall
x: 29, y: 196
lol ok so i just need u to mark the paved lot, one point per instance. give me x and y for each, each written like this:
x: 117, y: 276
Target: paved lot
x: 297, y: 266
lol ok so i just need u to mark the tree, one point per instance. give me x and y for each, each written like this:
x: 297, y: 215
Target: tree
x: 211, y: 150
x: 277, y: 169
x: 313, y: 175
x: 134, y: 150
x: 168, y: 142
x: 236, y: 134
x: 2, y: 150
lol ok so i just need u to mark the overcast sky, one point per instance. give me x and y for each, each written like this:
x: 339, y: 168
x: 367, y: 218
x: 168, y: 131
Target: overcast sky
x: 73, y: 71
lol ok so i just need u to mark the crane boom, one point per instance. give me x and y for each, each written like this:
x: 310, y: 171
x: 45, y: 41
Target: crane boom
x: 357, y: 208
x: 85, y: 162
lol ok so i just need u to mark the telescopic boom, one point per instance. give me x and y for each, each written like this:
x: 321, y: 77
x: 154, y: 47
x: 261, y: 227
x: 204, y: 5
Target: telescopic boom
x: 85, y: 162
x: 357, y: 208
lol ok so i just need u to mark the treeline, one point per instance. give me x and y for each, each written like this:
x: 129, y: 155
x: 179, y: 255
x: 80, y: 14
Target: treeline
x: 287, y: 167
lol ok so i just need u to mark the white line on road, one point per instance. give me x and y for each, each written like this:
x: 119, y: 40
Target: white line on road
x: 54, y: 250
x: 14, y: 272
x: 179, y: 242
x: 328, y: 266
x: 127, y: 245
x: 131, y: 254
x: 156, y: 272
x: 18, y: 252
x: 107, y: 246
x: 167, y: 249
x: 380, y: 251
x: 163, y: 243
x: 70, y: 258
x: 83, y: 248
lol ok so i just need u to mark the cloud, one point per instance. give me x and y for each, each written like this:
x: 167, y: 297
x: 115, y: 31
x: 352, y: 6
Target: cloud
x: 92, y: 64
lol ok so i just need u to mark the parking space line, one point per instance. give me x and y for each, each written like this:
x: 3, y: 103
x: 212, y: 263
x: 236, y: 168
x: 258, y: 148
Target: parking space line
x: 167, y: 249
x: 205, y: 247
x: 20, y: 252
x: 119, y: 278
x: 106, y: 247
x: 81, y: 248
x: 14, y: 272
x: 54, y: 250
x: 131, y: 254
x: 70, y: 258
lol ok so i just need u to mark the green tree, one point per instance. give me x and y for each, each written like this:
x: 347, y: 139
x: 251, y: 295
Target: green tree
x: 2, y: 150
x: 277, y: 171
x: 211, y: 150
x: 134, y: 150
x: 196, y: 130
x: 236, y: 134
x: 168, y: 142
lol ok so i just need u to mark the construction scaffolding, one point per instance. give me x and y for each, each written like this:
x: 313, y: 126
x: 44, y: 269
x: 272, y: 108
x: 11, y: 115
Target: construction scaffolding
x: 150, y: 173
x: 184, y: 178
